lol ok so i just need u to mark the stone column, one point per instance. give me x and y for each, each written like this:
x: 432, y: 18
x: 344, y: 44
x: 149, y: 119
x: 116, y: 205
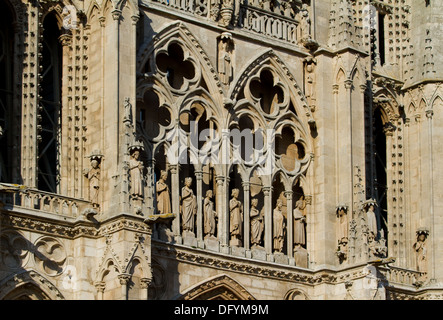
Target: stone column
x: 223, y: 213
x: 199, y: 178
x: 175, y: 199
x: 124, y: 278
x: 268, y: 219
x: 246, y: 207
x: 432, y: 222
x: 289, y: 223
x: 66, y: 175
x: 145, y: 282
x: 100, y: 286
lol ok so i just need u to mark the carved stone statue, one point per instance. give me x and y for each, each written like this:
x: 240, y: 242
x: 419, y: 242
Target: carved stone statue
x: 371, y: 220
x: 163, y: 198
x: 236, y: 219
x: 305, y: 23
x: 256, y: 223
x: 210, y: 215
x: 299, y: 223
x: 188, y: 206
x: 136, y: 173
x: 342, y: 232
x: 420, y: 249
x: 225, y: 58
x: 278, y: 227
x: 93, y: 175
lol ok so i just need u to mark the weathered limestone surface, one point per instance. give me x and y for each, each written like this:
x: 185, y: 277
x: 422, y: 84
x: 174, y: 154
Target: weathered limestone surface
x: 159, y: 149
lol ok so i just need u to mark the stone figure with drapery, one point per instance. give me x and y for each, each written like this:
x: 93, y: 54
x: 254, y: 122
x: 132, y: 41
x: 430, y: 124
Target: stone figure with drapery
x: 188, y: 206
x: 236, y: 218
x: 299, y: 223
x: 136, y: 173
x: 210, y: 215
x: 163, y: 197
x: 256, y: 223
x: 278, y: 227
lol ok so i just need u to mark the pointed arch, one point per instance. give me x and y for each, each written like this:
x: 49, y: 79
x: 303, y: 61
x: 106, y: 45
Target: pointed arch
x: 28, y: 284
x: 271, y: 61
x: 220, y: 287
x: 177, y: 32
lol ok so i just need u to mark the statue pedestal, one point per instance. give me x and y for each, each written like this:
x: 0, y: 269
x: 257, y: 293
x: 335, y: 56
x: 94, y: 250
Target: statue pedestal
x: 189, y: 239
x: 258, y: 253
x: 301, y: 257
x: 280, y: 258
x: 211, y: 243
x: 235, y: 242
x: 238, y: 251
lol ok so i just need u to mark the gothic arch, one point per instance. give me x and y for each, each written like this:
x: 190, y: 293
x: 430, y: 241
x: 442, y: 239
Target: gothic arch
x: 221, y: 287
x: 177, y: 32
x: 388, y: 104
x: 269, y: 60
x: 296, y: 294
x: 28, y: 285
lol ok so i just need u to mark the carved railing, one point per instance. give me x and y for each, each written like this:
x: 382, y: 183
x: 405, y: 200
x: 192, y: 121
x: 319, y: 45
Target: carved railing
x: 269, y: 24
x: 45, y: 201
x: 278, y: 22
x: 396, y: 275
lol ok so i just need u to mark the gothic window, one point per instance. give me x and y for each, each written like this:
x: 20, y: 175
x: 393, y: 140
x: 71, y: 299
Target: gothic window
x: 381, y: 38
x: 6, y: 74
x: 50, y: 107
x: 175, y: 66
x: 267, y: 92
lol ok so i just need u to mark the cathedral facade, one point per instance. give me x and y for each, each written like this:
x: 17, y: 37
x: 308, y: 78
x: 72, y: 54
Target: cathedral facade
x: 221, y: 149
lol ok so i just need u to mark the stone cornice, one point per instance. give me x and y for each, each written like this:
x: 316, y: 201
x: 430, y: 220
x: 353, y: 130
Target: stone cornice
x: 255, y: 267
x: 72, y: 230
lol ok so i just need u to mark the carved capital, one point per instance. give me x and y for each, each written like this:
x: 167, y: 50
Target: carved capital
x: 219, y: 180
x: 246, y: 185
x: 135, y: 19
x: 145, y: 282
x: 124, y: 278
x: 348, y: 84
x: 116, y: 14
x: 102, y: 21
x: 198, y: 175
x: 335, y: 88
x: 289, y: 194
x: 389, y: 129
x: 429, y: 113
x: 65, y: 39
x: 267, y: 191
x: 100, y: 286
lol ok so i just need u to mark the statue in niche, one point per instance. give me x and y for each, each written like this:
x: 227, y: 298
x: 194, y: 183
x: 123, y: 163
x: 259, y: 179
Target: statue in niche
x: 236, y: 218
x: 299, y: 223
x: 136, y: 173
x: 305, y: 23
x: 225, y: 58
x: 256, y: 223
x: 371, y: 220
x: 342, y: 232
x: 163, y: 198
x: 420, y: 249
x: 188, y: 206
x: 278, y: 227
x: 93, y: 176
x: 210, y: 215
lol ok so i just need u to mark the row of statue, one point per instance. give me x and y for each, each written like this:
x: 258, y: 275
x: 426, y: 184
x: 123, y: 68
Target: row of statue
x: 188, y: 212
